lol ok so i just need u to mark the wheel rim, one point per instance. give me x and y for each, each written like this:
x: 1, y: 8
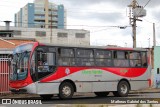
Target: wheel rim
x: 124, y: 89
x: 66, y: 91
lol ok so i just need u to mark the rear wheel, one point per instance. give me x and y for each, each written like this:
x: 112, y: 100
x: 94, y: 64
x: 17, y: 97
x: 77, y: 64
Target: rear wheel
x: 46, y: 97
x: 122, y: 89
x: 66, y: 90
x: 101, y: 94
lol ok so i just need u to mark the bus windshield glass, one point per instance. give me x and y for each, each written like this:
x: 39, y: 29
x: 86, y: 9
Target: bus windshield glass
x: 20, y: 61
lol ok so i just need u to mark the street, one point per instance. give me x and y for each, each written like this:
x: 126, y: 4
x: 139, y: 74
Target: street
x: 90, y: 98
x: 132, y: 100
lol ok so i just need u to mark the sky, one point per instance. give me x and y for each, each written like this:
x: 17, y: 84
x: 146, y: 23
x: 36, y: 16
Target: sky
x: 102, y: 18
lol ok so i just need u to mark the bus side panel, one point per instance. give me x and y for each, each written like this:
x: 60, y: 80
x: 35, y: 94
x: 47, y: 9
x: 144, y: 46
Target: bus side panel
x: 137, y: 85
x: 84, y: 86
x: 96, y: 86
x: 105, y: 86
x: 141, y: 82
x: 95, y: 79
x: 48, y: 88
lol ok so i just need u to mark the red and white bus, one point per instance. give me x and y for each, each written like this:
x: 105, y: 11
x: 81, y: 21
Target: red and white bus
x: 47, y: 70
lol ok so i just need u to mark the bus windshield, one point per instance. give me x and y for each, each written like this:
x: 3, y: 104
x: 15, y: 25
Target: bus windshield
x: 20, y: 61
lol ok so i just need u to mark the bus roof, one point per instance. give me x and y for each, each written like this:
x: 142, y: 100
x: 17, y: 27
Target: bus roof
x: 95, y: 47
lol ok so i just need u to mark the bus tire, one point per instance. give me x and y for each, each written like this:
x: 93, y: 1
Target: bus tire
x: 46, y: 97
x: 122, y: 89
x: 66, y: 90
x: 101, y: 94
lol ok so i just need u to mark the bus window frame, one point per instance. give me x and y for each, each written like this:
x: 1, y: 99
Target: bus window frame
x: 128, y: 51
x: 103, y: 58
x: 146, y: 56
x: 94, y: 57
x: 77, y: 57
x: 113, y: 58
x: 58, y: 56
x: 36, y: 61
x: 140, y: 59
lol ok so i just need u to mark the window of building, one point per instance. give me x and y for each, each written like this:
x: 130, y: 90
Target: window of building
x: 40, y: 33
x: 62, y: 35
x: 17, y: 32
x: 80, y: 35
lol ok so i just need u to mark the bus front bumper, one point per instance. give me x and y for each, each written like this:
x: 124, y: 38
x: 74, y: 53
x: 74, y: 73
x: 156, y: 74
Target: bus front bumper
x: 18, y: 91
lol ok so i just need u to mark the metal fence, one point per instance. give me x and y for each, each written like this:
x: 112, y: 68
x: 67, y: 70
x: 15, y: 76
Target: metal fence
x: 4, y: 74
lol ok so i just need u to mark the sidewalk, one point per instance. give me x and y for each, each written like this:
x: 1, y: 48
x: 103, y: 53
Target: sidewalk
x: 148, y: 90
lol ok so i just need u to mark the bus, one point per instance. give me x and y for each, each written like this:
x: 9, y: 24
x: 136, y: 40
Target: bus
x: 48, y: 70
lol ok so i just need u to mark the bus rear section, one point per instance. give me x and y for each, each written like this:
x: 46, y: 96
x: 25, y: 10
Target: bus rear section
x: 65, y: 70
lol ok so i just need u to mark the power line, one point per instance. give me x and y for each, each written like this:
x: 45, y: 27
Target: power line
x: 147, y: 3
x: 71, y: 25
x: 50, y: 31
x: 147, y: 21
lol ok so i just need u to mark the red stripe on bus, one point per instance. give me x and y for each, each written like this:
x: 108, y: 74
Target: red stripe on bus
x: 124, y: 72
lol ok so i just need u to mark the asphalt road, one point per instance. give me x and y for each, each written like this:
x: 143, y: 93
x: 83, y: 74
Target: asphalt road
x: 90, y: 98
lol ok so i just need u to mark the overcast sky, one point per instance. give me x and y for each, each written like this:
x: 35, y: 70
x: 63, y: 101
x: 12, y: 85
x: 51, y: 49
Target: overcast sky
x: 102, y: 18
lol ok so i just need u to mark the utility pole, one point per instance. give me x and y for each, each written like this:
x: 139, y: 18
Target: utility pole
x: 149, y: 42
x: 154, y: 36
x: 135, y: 12
x: 134, y: 24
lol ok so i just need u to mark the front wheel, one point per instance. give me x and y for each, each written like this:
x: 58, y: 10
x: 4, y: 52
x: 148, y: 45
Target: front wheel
x: 66, y: 90
x: 122, y: 89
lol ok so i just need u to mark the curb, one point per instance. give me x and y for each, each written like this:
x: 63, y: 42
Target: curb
x: 150, y: 90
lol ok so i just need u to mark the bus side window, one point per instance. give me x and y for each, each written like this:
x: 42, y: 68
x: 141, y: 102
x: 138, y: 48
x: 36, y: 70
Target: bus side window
x: 121, y: 59
x: 66, y: 57
x: 135, y: 59
x: 46, y: 62
x: 144, y: 59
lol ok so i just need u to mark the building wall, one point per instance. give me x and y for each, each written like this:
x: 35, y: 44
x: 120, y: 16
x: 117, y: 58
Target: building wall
x: 39, y: 13
x: 156, y: 73
x: 59, y: 36
x: 24, y: 21
x: 21, y: 17
x: 46, y: 13
x: 15, y: 20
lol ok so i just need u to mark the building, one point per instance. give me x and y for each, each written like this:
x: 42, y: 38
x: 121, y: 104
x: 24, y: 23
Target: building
x: 41, y: 14
x: 58, y: 36
x: 6, y: 32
